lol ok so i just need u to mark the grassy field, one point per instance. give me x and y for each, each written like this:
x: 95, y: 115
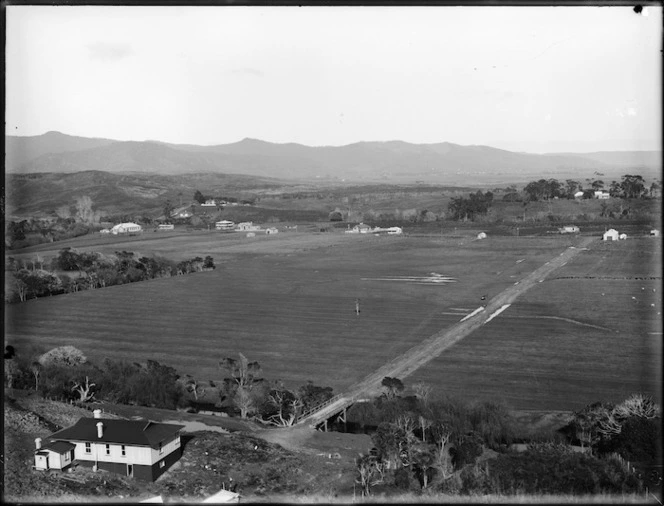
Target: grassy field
x: 288, y: 302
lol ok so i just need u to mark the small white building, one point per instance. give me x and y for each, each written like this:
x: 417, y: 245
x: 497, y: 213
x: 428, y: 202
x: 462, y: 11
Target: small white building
x: 481, y: 235
x: 166, y: 226
x: 569, y: 229
x: 622, y: 237
x: 654, y: 233
x: 578, y: 195
x: 247, y: 226
x: 361, y: 228
x: 611, y: 235
x: 209, y: 203
x: 600, y: 194
x: 271, y: 230
x: 126, y: 228
x: 251, y: 234
x: 224, y: 225
x: 395, y: 230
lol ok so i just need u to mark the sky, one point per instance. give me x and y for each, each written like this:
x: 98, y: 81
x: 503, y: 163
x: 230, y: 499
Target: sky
x: 534, y: 79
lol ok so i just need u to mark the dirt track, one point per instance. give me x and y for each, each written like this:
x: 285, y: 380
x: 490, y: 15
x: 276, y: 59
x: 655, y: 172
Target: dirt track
x: 420, y: 354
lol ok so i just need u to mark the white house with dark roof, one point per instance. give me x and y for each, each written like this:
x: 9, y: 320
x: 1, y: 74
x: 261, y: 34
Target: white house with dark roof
x: 142, y: 449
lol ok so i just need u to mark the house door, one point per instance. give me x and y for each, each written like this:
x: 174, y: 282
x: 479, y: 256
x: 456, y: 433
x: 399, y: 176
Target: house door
x: 130, y: 470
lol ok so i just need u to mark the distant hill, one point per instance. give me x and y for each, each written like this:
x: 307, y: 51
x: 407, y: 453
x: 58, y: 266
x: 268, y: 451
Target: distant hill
x: 393, y: 161
x: 40, y: 194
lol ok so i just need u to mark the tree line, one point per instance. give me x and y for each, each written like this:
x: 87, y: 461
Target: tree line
x: 72, y: 271
x: 437, y: 444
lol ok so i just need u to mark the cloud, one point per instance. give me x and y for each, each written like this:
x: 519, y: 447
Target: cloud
x: 108, y: 51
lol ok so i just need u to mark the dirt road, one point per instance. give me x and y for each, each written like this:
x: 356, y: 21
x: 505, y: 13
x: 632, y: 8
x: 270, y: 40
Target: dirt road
x: 420, y: 354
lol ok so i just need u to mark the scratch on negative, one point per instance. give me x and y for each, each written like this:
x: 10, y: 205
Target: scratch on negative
x: 566, y: 320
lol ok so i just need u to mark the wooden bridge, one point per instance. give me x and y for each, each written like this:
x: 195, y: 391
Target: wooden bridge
x: 422, y: 353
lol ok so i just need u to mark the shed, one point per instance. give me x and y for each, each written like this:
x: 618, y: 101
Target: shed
x: 654, y: 233
x: 271, y: 230
x: 578, y: 195
x: 126, y: 228
x: 611, y: 235
x: 481, y: 235
x: 622, y: 237
x: 54, y: 455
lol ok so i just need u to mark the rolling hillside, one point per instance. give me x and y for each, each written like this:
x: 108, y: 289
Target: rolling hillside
x: 370, y: 161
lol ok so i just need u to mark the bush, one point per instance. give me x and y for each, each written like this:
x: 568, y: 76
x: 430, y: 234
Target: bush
x: 552, y: 471
x: 638, y: 441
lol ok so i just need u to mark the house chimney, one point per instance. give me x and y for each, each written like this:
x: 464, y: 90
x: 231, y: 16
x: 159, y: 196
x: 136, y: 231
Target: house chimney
x: 100, y: 429
x: 38, y: 443
x: 96, y: 413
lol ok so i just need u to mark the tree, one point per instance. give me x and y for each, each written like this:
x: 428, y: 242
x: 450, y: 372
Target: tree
x: 423, y: 458
x: 336, y: 216
x: 638, y: 405
x: 84, y: 389
x: 36, y: 369
x: 632, y: 186
x: 243, y: 376
x: 168, y: 210
x: 597, y: 185
x: 208, y: 263
x: 199, y: 197
x: 193, y: 385
x: 286, y: 405
x: 312, y: 395
x: 476, y: 204
x: 63, y: 355
x: 571, y: 187
x: 392, y: 386
x: 423, y: 392
x: 371, y: 472
x: 84, y: 213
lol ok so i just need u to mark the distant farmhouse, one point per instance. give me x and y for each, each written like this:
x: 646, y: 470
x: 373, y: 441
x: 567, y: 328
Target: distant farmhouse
x: 247, y: 226
x: 126, y: 228
x: 141, y: 449
x: 224, y: 225
x: 569, y: 229
x: 578, y: 195
x: 210, y: 203
x: 271, y: 230
x: 599, y: 194
x: 361, y: 228
x: 166, y: 226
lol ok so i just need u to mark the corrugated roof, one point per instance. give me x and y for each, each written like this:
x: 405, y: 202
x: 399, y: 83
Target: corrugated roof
x: 59, y: 447
x: 128, y: 432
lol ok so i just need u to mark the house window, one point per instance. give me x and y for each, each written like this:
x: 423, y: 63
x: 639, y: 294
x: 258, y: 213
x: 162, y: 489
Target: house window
x: 161, y: 449
x: 88, y: 449
x: 177, y: 441
x: 108, y: 449
x: 124, y: 451
x: 162, y: 463
x: 66, y: 456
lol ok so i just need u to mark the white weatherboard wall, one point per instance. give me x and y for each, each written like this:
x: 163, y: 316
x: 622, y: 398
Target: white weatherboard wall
x: 133, y: 454
x: 156, y: 455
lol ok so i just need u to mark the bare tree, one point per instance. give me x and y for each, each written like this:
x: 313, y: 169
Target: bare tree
x: 194, y: 386
x: 637, y: 405
x: 36, y: 369
x: 371, y: 472
x: 244, y: 375
x: 84, y: 390
x: 279, y: 399
x: 423, y: 392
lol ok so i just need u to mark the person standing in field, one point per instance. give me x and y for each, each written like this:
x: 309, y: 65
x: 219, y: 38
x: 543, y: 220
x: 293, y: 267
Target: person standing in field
x: 357, y: 307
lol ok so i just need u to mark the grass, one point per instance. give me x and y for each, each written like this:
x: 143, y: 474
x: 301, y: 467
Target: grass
x: 288, y: 302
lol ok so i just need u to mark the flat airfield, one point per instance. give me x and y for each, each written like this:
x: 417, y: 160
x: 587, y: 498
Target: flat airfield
x: 591, y: 331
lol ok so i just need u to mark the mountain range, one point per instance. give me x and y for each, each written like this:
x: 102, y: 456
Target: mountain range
x: 393, y: 161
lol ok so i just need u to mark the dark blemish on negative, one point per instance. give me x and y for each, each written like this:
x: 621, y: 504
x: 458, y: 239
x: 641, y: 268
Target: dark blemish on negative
x: 638, y: 9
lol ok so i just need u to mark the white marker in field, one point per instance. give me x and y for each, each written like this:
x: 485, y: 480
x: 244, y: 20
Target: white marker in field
x: 479, y: 309
x: 496, y: 313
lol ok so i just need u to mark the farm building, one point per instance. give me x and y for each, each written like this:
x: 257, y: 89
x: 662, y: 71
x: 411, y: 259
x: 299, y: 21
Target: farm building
x: 271, y: 230
x: 251, y: 234
x: 611, y: 235
x: 166, y: 226
x: 622, y: 237
x: 569, y: 229
x: 144, y: 450
x: 481, y: 235
x: 224, y: 225
x: 126, y: 228
x: 599, y: 194
x: 578, y: 195
x: 395, y: 230
x: 361, y: 228
x: 654, y: 233
x: 209, y: 203
x: 105, y: 231
x: 247, y: 226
